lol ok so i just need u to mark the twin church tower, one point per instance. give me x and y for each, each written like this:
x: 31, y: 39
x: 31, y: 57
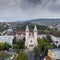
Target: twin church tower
x: 31, y: 38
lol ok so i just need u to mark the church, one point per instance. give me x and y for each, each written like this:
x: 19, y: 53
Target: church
x: 31, y: 38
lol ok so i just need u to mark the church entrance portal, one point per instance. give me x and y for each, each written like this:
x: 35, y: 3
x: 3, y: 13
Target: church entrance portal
x: 31, y: 47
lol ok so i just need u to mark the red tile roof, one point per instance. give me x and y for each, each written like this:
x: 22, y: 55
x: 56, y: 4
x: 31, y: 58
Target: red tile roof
x: 19, y: 32
x: 47, y: 58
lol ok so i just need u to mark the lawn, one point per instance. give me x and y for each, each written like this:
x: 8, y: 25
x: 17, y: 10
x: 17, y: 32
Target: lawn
x: 4, y: 55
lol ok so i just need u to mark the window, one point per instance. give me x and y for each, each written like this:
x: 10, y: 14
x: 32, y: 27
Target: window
x: 31, y: 41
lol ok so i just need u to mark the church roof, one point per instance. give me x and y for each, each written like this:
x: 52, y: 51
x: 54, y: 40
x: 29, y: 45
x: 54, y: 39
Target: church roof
x: 31, y: 34
x: 35, y: 28
x: 47, y: 58
x: 27, y: 28
x: 19, y: 32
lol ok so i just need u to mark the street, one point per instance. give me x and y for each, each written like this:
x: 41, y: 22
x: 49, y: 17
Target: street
x: 30, y: 54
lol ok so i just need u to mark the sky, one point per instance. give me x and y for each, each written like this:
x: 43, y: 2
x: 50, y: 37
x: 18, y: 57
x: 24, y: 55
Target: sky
x: 18, y: 10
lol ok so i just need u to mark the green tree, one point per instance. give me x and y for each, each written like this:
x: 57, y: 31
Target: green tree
x: 1, y: 46
x: 16, y: 46
x: 4, y: 46
x: 59, y: 46
x: 45, y: 52
x: 48, y: 38
x: 21, y: 56
x: 21, y: 44
x: 14, y: 40
x: 36, y: 51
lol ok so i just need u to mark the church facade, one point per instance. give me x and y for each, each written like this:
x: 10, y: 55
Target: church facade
x: 31, y: 38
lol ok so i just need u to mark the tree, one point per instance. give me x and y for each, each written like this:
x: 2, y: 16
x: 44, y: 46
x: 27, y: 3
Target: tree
x: 21, y: 56
x: 15, y: 46
x: 59, y: 46
x: 36, y: 51
x: 48, y: 37
x: 4, y: 46
x: 18, y: 44
x: 21, y: 44
x: 14, y: 40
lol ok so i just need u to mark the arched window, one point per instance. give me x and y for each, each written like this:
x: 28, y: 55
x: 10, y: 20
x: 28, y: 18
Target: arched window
x: 31, y: 41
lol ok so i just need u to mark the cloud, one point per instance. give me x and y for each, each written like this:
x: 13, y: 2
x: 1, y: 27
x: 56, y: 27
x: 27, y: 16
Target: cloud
x: 29, y: 9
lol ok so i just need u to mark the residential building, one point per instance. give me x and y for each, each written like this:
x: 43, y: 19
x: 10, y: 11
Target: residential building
x: 54, y: 54
x: 7, y: 39
x: 58, y: 27
x: 47, y: 58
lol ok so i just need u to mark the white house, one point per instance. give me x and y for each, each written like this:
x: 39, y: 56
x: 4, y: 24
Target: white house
x: 58, y: 26
x: 7, y: 39
x: 56, y: 40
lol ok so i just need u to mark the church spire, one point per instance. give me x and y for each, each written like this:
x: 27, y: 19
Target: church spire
x: 27, y: 28
x: 35, y: 28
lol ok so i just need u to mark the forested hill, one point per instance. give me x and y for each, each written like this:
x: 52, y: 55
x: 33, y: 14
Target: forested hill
x: 45, y: 21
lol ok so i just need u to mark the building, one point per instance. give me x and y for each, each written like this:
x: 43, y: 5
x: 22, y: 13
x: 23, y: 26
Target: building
x: 52, y: 26
x: 31, y: 38
x: 58, y: 26
x: 54, y: 54
x: 55, y: 39
x: 47, y: 58
x: 21, y: 34
x: 7, y: 39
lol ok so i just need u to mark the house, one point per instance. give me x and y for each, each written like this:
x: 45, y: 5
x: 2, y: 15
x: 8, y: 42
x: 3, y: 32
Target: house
x: 21, y: 34
x: 58, y: 27
x: 55, y: 39
x: 7, y: 39
x: 47, y: 58
x: 54, y: 54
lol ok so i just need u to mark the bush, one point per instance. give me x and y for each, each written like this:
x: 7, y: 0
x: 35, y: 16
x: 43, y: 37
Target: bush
x: 4, y: 46
x: 15, y: 46
x: 21, y: 43
x: 21, y: 56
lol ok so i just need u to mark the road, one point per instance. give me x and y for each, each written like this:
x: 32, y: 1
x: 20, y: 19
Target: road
x: 30, y: 54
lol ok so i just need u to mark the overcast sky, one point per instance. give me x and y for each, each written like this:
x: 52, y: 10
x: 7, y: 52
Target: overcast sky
x: 11, y: 10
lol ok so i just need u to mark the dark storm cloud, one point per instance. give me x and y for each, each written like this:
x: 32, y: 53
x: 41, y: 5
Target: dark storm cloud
x: 51, y: 5
x: 34, y: 1
x: 48, y: 4
x: 28, y: 9
x: 38, y: 2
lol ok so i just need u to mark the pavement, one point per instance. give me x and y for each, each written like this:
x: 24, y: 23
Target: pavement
x: 30, y: 54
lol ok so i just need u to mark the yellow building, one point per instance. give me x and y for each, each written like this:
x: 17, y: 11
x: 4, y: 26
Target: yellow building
x: 50, y: 54
x: 54, y: 53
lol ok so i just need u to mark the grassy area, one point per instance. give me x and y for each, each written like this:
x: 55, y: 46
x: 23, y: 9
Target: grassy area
x: 5, y: 55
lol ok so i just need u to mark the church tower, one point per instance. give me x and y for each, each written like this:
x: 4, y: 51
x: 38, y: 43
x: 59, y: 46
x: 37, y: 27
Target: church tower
x: 35, y: 35
x: 26, y: 35
x: 30, y: 38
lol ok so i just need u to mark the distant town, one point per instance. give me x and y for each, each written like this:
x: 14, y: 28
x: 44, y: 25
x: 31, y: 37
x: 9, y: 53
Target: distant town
x: 30, y: 40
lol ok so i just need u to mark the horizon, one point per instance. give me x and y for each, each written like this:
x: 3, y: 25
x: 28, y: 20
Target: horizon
x: 19, y: 20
